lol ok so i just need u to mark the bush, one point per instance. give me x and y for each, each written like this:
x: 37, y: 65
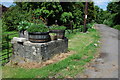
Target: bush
x: 56, y: 27
x: 90, y: 25
x: 23, y: 25
x: 13, y: 16
x: 66, y: 17
x: 80, y: 27
x: 37, y: 21
x: 37, y: 28
x: 109, y: 21
x: 117, y: 27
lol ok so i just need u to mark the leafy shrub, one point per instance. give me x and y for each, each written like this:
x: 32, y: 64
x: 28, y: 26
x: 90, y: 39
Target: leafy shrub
x: 56, y: 27
x: 37, y: 21
x: 75, y: 26
x: 90, y: 25
x: 81, y: 27
x: 23, y: 25
x: 117, y: 27
x: 66, y: 17
x: 91, y: 30
x: 109, y: 21
x: 42, y: 11
x: 37, y: 28
x: 13, y: 16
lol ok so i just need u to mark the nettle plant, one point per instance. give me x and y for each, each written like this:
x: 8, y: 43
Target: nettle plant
x: 56, y: 27
x: 37, y: 28
x: 24, y: 25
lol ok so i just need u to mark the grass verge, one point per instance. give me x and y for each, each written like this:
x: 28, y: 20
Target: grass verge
x: 84, y: 46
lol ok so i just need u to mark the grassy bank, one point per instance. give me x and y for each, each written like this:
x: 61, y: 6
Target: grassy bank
x: 84, y: 46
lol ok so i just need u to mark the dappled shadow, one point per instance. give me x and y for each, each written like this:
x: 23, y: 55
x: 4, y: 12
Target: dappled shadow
x: 103, y: 55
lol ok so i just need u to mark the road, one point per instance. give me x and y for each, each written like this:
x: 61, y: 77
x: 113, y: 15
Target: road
x: 106, y: 66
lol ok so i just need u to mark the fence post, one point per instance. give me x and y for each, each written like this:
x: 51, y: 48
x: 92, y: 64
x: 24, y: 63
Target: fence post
x: 6, y: 56
x: 71, y: 25
x: 7, y: 39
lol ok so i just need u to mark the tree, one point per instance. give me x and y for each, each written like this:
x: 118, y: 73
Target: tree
x: 114, y: 9
x: 63, y: 12
x: 91, y: 12
x: 13, y: 16
x: 49, y: 11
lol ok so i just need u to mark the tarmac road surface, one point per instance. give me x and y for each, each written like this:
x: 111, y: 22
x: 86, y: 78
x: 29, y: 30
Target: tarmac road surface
x: 106, y: 66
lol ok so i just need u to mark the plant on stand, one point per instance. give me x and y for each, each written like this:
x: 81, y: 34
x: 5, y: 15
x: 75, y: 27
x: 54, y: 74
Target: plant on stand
x: 53, y: 36
x: 58, y: 30
x: 38, y: 33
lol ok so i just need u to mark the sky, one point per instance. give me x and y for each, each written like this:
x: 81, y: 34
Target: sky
x: 101, y: 3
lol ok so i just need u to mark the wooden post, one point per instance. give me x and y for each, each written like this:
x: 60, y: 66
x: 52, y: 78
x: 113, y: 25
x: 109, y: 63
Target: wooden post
x: 7, y: 39
x: 71, y: 25
x: 55, y: 22
x: 85, y: 17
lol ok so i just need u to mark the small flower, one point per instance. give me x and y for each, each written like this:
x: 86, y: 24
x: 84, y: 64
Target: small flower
x: 95, y: 44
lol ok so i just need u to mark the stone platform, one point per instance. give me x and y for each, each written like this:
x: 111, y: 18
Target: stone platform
x: 26, y: 51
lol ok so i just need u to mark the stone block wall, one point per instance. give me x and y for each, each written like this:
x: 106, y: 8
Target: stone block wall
x: 37, y: 52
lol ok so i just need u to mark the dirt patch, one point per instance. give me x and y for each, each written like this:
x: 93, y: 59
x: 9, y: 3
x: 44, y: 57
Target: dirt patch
x: 56, y: 58
x: 103, y: 55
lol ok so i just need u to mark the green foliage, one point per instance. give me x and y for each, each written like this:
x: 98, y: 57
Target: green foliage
x: 24, y: 25
x: 38, y: 12
x: 66, y: 17
x: 80, y: 27
x: 90, y: 25
x: 109, y: 21
x: 37, y: 28
x: 48, y: 12
x: 37, y: 21
x: 56, y: 27
x: 13, y: 16
x: 117, y: 27
x: 114, y: 7
x: 78, y: 13
x: 100, y: 15
x: 116, y: 19
x: 91, y: 30
x: 111, y: 16
x: 78, y: 19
